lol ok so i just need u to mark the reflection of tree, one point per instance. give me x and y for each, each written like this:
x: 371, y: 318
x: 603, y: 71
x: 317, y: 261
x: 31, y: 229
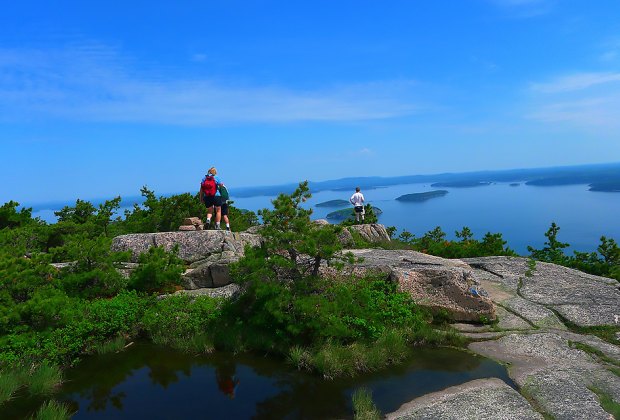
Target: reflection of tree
x: 98, y: 383
x: 306, y: 396
x: 95, y: 378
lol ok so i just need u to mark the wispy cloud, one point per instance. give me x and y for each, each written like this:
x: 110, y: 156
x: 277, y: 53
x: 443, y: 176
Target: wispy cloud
x: 525, y: 8
x: 610, y: 51
x: 364, y: 152
x: 582, y: 99
x: 575, y: 82
x: 97, y: 84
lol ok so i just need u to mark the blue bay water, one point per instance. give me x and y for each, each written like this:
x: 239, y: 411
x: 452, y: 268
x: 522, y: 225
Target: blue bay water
x: 522, y: 214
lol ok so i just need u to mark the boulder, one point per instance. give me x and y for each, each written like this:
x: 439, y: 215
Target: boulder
x: 210, y: 272
x: 193, y: 245
x: 187, y: 228
x: 372, y: 233
x: 436, y: 283
x: 189, y: 221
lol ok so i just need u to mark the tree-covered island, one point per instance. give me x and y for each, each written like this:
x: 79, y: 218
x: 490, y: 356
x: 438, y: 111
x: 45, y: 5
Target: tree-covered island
x: 423, y: 196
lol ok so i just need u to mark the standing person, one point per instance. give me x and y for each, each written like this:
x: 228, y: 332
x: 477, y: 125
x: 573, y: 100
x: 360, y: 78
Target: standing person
x: 211, y: 197
x: 357, y: 200
x: 225, y: 196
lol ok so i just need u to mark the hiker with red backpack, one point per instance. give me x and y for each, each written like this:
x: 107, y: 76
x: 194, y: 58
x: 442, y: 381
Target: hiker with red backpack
x: 211, y: 197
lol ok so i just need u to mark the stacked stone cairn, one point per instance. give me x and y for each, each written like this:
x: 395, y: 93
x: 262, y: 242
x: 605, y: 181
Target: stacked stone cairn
x: 192, y: 223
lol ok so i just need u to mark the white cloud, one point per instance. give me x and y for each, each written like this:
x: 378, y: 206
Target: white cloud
x: 589, y: 100
x: 575, y: 82
x: 97, y: 84
x: 364, y: 152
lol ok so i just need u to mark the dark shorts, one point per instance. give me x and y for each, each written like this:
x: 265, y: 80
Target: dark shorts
x: 359, y: 209
x: 224, y: 209
x: 215, y: 200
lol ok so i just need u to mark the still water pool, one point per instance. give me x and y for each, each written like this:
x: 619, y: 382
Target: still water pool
x: 147, y: 381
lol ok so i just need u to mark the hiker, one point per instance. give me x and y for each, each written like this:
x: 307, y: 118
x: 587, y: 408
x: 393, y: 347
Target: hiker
x: 357, y: 200
x: 224, y: 193
x: 211, y: 197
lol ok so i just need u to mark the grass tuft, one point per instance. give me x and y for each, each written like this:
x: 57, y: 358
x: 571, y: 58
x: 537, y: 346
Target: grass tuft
x: 113, y: 346
x: 53, y: 410
x: 363, y: 406
x: 299, y: 357
x: 9, y: 384
x: 44, y: 379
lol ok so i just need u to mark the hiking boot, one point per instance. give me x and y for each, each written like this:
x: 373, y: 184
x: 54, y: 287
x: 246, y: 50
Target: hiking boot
x: 228, y: 229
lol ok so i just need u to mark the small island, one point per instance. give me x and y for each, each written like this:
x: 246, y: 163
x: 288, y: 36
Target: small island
x: 515, y: 184
x: 605, y: 186
x: 420, y: 197
x: 348, y: 213
x: 333, y: 203
x: 460, y: 184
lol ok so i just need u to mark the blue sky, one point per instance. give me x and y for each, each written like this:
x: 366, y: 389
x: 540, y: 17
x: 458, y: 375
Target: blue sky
x: 99, y: 98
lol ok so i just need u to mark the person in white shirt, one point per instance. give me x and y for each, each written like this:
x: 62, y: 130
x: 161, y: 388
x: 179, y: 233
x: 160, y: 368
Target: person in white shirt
x: 357, y: 200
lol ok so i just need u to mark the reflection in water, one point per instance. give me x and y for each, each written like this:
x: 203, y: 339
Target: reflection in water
x: 225, y: 376
x: 147, y: 381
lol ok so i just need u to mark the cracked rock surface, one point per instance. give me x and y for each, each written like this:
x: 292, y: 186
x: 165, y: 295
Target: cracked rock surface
x: 562, y: 373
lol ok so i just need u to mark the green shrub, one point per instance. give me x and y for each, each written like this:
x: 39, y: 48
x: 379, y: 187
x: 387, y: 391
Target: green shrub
x: 182, y: 322
x: 159, y: 271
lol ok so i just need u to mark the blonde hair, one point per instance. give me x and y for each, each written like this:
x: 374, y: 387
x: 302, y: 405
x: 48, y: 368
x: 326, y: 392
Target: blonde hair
x: 212, y: 171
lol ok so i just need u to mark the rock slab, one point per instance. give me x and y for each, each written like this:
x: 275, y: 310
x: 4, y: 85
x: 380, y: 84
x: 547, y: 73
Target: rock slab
x: 193, y: 245
x: 476, y: 400
x: 583, y: 299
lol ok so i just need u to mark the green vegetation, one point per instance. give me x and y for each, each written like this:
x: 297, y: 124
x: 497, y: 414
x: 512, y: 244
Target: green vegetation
x: 434, y: 242
x: 420, y: 197
x: 296, y: 303
x: 53, y: 410
x: 363, y: 406
x: 9, y: 384
x: 605, y: 262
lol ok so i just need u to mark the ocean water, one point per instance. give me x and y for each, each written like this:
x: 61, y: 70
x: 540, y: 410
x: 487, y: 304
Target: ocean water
x: 522, y: 213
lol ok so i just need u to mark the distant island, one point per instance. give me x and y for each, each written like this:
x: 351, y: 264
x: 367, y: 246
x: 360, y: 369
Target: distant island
x: 515, y: 184
x: 333, y: 203
x: 461, y: 184
x: 599, y: 177
x: 344, y: 214
x: 610, y: 186
x: 424, y: 196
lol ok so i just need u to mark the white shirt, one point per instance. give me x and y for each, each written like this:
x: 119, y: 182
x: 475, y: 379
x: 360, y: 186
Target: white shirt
x: 357, y: 199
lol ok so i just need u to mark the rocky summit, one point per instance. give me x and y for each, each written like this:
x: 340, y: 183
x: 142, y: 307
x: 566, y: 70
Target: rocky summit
x: 545, y: 317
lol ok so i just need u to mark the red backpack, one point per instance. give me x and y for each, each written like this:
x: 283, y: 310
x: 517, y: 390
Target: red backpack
x: 208, y: 186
